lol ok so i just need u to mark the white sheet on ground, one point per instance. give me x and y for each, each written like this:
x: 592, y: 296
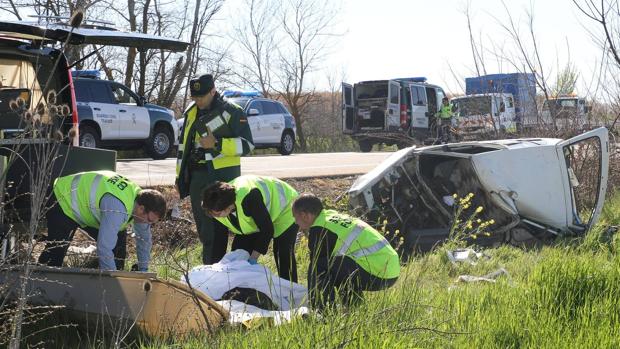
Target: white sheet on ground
x: 235, y: 271
x: 241, y: 313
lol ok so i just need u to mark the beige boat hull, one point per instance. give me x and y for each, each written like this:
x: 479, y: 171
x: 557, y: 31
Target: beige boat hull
x: 121, y: 300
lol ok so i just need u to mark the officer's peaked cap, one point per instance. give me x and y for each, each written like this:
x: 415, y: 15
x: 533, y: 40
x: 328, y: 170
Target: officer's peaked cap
x: 201, y: 85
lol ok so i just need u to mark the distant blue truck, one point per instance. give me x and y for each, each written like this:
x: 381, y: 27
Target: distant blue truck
x: 497, y: 103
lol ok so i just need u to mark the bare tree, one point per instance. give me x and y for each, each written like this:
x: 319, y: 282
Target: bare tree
x: 308, y: 32
x: 11, y: 7
x: 606, y: 14
x: 256, y: 34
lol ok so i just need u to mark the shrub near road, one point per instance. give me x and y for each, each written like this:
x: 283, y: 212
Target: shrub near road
x: 566, y: 295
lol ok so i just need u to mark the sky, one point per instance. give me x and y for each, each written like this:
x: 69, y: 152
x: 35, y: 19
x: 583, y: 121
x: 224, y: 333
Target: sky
x: 383, y: 39
x: 400, y: 38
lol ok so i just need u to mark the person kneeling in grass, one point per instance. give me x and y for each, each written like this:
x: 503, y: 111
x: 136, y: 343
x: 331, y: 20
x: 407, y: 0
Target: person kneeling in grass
x: 257, y: 209
x: 347, y: 255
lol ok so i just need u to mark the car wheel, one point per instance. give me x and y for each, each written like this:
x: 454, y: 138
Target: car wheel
x: 287, y: 143
x: 160, y: 143
x: 89, y: 138
x: 365, y: 145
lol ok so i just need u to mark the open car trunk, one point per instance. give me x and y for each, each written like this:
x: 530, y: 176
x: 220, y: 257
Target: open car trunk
x: 533, y: 190
x: 30, y: 68
x: 372, y: 104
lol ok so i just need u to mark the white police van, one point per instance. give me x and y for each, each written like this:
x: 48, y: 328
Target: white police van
x: 271, y: 124
x: 113, y: 116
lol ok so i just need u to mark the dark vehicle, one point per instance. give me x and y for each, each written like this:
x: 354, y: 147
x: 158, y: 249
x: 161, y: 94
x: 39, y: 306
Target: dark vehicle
x: 30, y: 67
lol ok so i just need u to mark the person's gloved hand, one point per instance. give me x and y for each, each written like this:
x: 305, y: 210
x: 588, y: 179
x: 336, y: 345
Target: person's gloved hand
x: 252, y: 261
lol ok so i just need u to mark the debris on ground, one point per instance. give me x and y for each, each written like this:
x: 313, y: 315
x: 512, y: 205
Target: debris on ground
x: 490, y: 277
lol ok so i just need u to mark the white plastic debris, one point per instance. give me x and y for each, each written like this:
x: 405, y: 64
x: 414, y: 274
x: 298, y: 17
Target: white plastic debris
x: 176, y: 212
x: 491, y: 277
x: 448, y: 200
x: 82, y: 250
x: 464, y: 255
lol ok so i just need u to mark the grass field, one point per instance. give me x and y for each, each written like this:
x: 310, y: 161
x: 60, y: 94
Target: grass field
x: 561, y: 296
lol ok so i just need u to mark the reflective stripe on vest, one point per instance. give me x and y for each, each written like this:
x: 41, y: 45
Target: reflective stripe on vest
x: 353, y: 235
x: 75, y: 202
x: 363, y: 252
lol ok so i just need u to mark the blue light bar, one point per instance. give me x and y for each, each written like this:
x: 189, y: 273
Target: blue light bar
x: 93, y: 74
x: 414, y: 79
x: 234, y: 93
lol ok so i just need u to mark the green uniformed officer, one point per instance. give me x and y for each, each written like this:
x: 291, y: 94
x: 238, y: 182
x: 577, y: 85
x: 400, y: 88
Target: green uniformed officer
x: 347, y: 256
x: 444, y: 119
x: 216, y: 134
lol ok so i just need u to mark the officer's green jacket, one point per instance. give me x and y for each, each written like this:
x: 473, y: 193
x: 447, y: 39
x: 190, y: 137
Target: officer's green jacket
x: 278, y: 197
x: 360, y: 242
x: 79, y: 195
x: 230, y: 127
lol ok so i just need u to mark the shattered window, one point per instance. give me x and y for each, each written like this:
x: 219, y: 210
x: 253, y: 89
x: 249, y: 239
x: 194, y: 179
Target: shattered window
x: 583, y: 160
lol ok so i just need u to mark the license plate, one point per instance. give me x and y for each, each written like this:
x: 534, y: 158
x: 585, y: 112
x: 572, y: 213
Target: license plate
x: 365, y: 115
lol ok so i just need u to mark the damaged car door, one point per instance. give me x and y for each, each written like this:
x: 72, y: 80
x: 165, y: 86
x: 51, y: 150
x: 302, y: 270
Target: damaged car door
x: 531, y: 189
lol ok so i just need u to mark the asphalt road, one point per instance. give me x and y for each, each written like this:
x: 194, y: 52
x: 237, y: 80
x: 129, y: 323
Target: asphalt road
x: 162, y: 172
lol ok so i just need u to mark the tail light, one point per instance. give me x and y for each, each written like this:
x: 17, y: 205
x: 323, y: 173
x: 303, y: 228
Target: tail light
x: 403, y: 116
x: 74, y: 115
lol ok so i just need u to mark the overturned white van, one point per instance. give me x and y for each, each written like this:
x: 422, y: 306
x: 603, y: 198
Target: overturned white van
x: 533, y: 189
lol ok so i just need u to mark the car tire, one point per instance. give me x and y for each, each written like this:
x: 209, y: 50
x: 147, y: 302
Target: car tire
x: 89, y: 137
x: 160, y: 143
x: 365, y: 145
x: 287, y: 143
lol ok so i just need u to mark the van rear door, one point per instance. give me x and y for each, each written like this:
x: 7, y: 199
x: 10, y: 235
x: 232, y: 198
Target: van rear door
x: 392, y: 113
x: 348, y: 109
x: 418, y: 107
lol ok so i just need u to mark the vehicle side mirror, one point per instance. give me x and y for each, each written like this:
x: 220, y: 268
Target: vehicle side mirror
x: 497, y: 113
x: 502, y: 108
x: 142, y: 100
x: 587, y: 109
x: 428, y: 114
x: 253, y: 112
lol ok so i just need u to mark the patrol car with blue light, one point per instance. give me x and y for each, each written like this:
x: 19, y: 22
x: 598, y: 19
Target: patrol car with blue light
x: 271, y: 124
x: 113, y: 116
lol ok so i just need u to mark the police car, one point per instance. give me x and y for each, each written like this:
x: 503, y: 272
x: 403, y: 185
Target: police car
x: 114, y: 117
x: 271, y: 124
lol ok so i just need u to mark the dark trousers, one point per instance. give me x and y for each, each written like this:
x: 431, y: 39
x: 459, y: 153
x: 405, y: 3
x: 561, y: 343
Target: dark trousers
x: 60, y: 230
x: 341, y: 277
x: 283, y: 250
x: 212, y: 234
